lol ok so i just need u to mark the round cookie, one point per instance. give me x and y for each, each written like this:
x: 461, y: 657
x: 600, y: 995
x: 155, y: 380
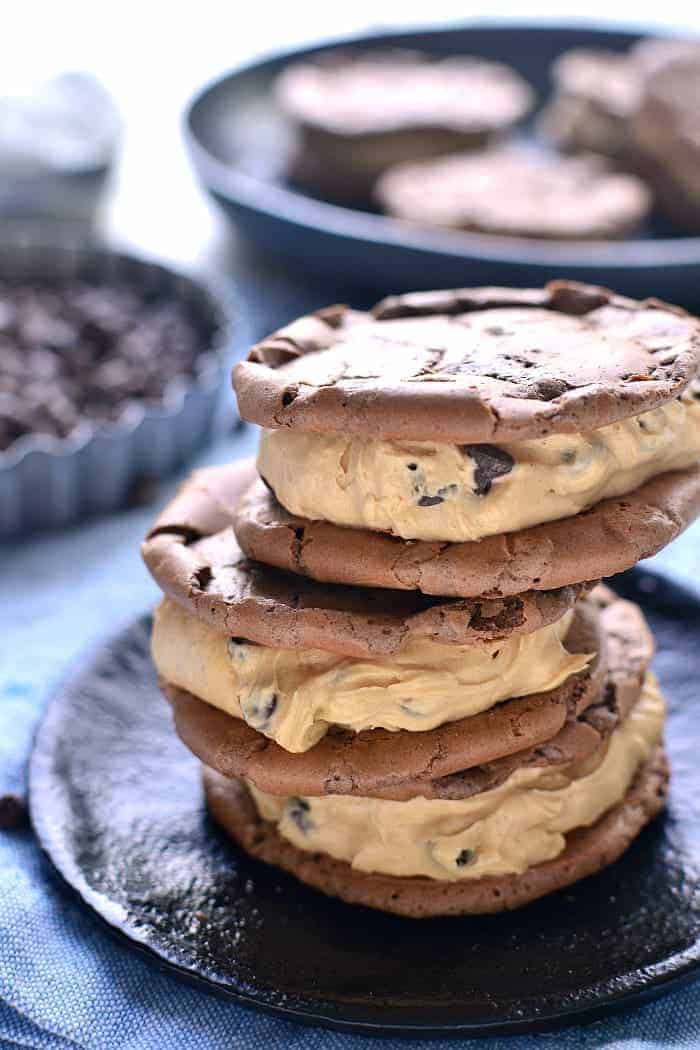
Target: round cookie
x: 357, y: 113
x: 596, y: 92
x: 597, y: 95
x: 610, y: 537
x: 194, y: 557
x: 517, y: 192
x: 475, y: 365
x: 654, y: 53
x: 399, y: 765
x: 587, y: 851
x: 667, y: 136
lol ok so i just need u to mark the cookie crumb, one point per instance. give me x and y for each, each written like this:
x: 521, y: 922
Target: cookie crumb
x: 13, y: 813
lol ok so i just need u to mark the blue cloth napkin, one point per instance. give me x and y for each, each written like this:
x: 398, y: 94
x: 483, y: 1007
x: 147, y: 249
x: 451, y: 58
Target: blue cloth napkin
x: 64, y: 980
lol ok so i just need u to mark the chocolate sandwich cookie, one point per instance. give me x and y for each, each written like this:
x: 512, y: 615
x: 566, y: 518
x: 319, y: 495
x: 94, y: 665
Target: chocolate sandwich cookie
x: 487, y: 837
x: 356, y: 114
x: 587, y: 850
x: 404, y: 764
x: 373, y: 724
x: 517, y: 192
x: 194, y: 557
x: 608, y: 538
x: 666, y: 134
x: 453, y: 417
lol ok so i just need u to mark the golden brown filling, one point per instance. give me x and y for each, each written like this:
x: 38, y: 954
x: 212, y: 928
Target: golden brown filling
x: 430, y: 491
x: 295, y: 696
x: 506, y: 830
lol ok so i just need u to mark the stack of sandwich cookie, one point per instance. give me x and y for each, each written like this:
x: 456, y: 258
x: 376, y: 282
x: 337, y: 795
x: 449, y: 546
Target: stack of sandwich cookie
x: 391, y: 655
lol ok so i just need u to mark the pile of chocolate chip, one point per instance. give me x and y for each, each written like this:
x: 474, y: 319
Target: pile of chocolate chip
x: 74, y: 351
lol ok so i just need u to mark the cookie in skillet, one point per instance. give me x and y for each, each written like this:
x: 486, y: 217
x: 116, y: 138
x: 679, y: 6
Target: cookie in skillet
x: 358, y: 113
x: 596, y: 93
x: 517, y: 192
x: 666, y: 134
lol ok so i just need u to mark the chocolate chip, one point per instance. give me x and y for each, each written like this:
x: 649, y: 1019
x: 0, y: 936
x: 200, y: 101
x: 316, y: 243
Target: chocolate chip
x: 73, y: 351
x: 406, y: 707
x: 465, y: 857
x: 430, y: 501
x: 13, y: 813
x: 548, y: 389
x: 203, y: 577
x: 568, y: 455
x: 298, y: 810
x: 412, y: 466
x: 270, y: 707
x: 490, y: 463
x: 237, y: 648
x: 258, y: 713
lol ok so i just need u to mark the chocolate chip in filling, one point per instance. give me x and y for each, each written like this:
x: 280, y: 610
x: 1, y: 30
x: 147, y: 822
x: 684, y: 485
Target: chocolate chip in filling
x: 427, y: 499
x: 465, y: 857
x: 490, y: 463
x: 299, y: 811
x: 258, y: 711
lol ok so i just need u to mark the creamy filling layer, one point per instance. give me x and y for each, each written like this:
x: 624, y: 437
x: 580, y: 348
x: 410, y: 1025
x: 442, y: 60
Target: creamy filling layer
x: 295, y: 696
x: 503, y: 831
x: 430, y: 491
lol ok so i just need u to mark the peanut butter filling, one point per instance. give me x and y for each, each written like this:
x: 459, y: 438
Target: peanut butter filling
x: 431, y: 491
x: 295, y: 696
x: 506, y: 830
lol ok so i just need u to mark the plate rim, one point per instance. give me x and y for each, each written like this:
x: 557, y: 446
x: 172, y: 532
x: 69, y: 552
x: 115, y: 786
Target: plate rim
x: 292, y: 207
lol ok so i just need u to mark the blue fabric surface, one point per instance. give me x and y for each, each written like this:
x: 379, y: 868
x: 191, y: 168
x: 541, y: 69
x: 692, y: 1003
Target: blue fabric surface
x: 64, y: 980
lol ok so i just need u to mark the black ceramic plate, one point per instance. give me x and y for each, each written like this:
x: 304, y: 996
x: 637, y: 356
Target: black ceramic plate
x: 117, y: 805
x: 239, y: 144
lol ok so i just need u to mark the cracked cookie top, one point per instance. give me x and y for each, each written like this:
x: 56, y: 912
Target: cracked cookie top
x: 473, y: 365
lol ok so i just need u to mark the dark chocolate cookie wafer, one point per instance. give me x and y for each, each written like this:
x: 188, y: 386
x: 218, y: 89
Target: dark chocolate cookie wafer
x: 195, y: 558
x: 517, y: 192
x: 587, y: 851
x: 610, y: 537
x: 399, y: 765
x: 473, y: 365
